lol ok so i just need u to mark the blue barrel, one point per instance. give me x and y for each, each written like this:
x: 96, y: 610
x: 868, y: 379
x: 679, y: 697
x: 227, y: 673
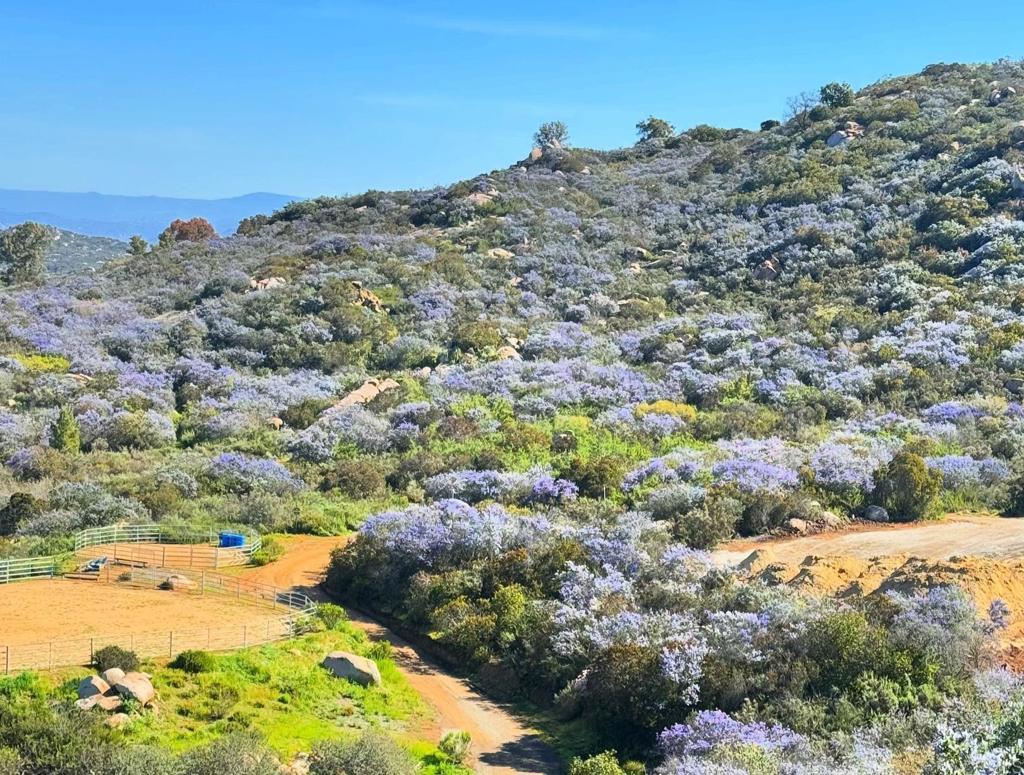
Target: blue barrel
x: 231, y: 540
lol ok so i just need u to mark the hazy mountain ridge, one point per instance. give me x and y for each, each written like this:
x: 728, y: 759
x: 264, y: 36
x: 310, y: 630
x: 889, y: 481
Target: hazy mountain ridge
x: 120, y: 217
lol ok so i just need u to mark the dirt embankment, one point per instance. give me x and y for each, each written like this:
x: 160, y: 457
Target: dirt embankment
x: 984, y: 555
x: 502, y: 743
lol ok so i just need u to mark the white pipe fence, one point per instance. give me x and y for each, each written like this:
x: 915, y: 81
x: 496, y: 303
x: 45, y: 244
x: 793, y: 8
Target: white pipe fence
x: 46, y: 567
x: 28, y: 568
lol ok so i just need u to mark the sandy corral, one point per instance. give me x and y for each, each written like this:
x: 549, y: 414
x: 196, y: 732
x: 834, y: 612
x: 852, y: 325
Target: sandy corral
x: 61, y: 609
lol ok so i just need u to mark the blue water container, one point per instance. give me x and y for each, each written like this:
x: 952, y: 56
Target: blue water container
x: 231, y: 540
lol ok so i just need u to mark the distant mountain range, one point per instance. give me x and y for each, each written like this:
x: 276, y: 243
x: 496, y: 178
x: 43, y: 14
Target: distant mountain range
x: 119, y: 217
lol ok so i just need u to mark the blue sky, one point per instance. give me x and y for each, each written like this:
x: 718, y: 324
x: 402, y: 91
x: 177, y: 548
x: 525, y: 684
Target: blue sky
x: 304, y: 97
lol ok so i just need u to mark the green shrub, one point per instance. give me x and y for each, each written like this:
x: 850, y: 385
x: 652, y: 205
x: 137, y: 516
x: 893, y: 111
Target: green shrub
x: 818, y: 113
x: 332, y: 616
x: 356, y: 478
x: 303, y: 414
x: 476, y: 336
x: 837, y: 95
x: 21, y: 506
x: 841, y: 646
x: 705, y: 133
x: 907, y: 488
x: 115, y: 656
x: 712, y: 522
x: 10, y: 762
x: 270, y: 550
x: 606, y: 763
x: 372, y: 754
x: 597, y: 477
x: 195, y: 661
x: 455, y: 745
x: 237, y: 754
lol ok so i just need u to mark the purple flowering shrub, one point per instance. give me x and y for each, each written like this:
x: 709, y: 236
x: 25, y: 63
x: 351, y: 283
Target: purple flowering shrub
x: 536, y: 486
x: 238, y: 473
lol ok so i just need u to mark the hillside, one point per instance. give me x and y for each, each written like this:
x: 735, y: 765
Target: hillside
x: 542, y: 394
x: 71, y: 252
x: 120, y: 217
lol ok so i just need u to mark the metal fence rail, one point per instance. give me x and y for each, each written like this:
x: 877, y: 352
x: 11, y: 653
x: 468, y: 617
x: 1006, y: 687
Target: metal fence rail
x: 29, y: 568
x: 159, y: 534
x: 190, y: 548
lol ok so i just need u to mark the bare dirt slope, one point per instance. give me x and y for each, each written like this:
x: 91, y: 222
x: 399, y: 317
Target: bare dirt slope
x: 956, y: 535
x: 982, y: 554
x: 502, y: 742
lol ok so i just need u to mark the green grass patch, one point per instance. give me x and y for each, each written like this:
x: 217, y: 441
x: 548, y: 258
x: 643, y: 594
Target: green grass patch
x: 278, y: 690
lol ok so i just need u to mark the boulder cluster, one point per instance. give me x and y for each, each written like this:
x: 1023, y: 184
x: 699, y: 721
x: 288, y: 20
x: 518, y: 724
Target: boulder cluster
x: 109, y: 690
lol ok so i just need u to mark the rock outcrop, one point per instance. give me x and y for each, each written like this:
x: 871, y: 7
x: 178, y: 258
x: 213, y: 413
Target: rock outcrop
x: 352, y: 667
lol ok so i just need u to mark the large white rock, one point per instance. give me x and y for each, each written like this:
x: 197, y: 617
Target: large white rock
x: 92, y: 686
x: 118, y: 720
x: 353, y: 668
x: 837, y: 139
x: 136, y: 686
x: 112, y: 675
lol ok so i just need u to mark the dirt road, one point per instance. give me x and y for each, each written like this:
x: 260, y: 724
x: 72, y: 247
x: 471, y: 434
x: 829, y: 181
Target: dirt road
x: 503, y: 744
x: 956, y: 535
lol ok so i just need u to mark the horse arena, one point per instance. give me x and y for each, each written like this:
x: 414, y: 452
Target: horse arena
x: 154, y: 597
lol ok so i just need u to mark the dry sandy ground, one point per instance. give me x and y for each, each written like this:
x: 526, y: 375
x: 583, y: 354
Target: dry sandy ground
x: 503, y: 743
x: 38, y: 611
x: 956, y: 535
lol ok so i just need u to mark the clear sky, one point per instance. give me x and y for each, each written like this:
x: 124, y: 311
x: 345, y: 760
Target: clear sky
x: 304, y: 97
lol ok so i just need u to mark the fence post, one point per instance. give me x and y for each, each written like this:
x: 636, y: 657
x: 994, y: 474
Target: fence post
x: 245, y: 635
x: 7, y: 660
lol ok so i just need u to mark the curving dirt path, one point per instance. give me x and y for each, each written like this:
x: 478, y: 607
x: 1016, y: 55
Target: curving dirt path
x: 957, y: 535
x: 502, y: 742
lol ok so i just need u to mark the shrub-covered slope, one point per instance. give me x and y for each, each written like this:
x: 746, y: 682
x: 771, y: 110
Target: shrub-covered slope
x: 601, y: 361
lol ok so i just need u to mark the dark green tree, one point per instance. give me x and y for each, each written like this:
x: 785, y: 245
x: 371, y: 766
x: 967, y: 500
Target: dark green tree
x: 23, y: 252
x: 66, y: 435
x: 137, y: 246
x: 907, y: 488
x: 836, y: 95
x: 552, y: 135
x: 652, y: 128
x: 21, y: 506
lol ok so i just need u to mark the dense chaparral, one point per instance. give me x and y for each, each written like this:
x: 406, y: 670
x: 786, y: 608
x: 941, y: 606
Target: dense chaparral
x: 605, y: 363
